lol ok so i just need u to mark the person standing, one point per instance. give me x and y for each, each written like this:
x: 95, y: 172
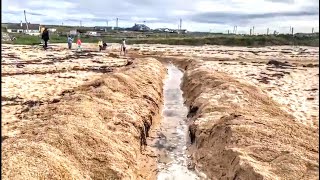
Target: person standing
x: 100, y: 44
x: 70, y: 41
x: 123, y: 47
x: 41, y: 31
x: 45, y: 37
x: 79, y: 43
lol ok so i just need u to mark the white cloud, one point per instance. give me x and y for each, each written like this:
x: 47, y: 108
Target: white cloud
x: 196, y: 15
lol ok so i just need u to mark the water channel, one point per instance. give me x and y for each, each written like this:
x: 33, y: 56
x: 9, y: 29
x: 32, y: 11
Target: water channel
x: 173, y: 132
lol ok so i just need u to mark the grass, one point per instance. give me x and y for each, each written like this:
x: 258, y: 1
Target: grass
x: 228, y: 40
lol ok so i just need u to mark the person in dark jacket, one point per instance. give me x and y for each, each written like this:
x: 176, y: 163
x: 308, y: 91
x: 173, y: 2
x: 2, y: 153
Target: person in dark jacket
x: 45, y: 37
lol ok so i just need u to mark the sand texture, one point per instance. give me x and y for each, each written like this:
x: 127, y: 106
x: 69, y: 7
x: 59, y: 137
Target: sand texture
x: 238, y: 132
x: 253, y: 112
x: 92, y: 125
x: 289, y: 75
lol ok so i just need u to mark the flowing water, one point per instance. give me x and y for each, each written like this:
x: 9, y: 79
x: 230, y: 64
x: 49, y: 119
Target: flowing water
x: 173, y: 132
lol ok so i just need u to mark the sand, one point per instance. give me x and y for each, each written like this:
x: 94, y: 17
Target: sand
x: 253, y: 112
x: 239, y: 132
x: 44, y: 75
x: 232, y: 53
x: 80, y: 123
x: 295, y: 86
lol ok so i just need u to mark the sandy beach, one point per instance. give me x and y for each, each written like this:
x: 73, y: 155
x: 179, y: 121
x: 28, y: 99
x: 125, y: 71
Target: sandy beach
x: 238, y: 99
x: 293, y: 84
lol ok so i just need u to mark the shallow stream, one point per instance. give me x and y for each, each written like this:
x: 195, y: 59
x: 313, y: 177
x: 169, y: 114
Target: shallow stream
x: 173, y: 132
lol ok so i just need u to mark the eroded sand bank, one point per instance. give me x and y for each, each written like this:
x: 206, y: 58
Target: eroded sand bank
x: 71, y: 128
x: 253, y: 111
x: 239, y: 132
x: 289, y: 75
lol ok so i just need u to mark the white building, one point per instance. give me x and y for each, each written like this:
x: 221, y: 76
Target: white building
x: 34, y: 29
x: 92, y: 33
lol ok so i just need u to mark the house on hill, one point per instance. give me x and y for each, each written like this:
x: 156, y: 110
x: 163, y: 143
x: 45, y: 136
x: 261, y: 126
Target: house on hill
x: 34, y: 29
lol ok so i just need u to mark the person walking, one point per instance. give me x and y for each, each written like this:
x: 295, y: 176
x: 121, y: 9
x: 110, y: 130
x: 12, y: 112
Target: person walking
x: 45, y: 37
x: 70, y: 41
x: 123, y: 47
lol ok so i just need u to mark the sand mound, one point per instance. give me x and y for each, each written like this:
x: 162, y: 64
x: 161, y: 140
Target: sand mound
x: 238, y: 132
x: 95, y: 131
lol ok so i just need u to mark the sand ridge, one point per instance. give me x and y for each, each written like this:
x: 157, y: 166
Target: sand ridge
x: 253, y: 111
x: 86, y: 125
x: 240, y: 132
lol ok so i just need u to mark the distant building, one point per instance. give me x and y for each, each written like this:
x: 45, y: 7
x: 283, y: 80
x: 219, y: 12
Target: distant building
x: 178, y: 31
x: 34, y: 29
x: 52, y: 29
x: 102, y: 28
x: 306, y: 34
x: 73, y: 32
x: 182, y: 31
x: 92, y: 33
x: 140, y: 27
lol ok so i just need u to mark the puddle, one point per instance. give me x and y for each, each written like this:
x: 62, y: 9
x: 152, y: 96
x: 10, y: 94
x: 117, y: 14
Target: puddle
x: 172, y: 133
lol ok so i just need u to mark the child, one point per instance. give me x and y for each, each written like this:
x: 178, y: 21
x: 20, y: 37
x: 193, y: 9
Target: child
x: 70, y: 40
x: 79, y: 44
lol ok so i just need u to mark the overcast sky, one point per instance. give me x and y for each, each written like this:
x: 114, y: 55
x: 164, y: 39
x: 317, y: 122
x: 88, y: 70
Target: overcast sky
x: 196, y: 15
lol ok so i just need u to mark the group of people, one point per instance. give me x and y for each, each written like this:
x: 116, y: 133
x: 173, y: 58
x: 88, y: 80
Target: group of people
x: 102, y: 45
x: 70, y: 41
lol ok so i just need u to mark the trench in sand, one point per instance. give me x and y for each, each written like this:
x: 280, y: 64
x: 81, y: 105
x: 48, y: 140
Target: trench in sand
x: 172, y: 134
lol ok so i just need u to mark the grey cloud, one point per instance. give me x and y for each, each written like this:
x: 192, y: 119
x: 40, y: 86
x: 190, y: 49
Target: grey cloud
x: 128, y: 8
x: 162, y: 11
x: 20, y: 13
x: 240, y: 18
x: 36, y: 14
